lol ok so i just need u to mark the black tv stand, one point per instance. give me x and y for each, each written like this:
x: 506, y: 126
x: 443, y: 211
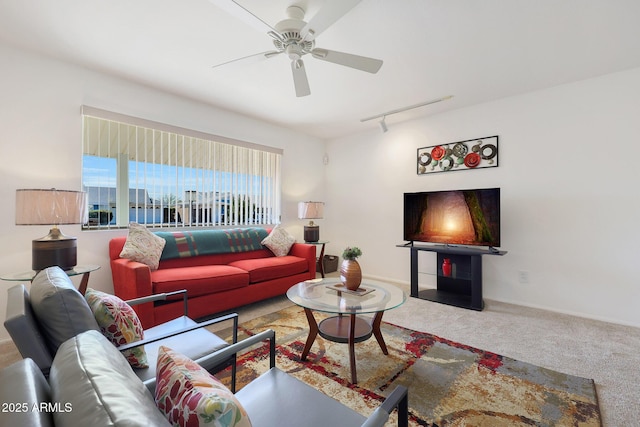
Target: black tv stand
x: 463, y: 287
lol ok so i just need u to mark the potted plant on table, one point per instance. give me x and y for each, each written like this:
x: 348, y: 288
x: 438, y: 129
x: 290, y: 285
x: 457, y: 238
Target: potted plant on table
x: 350, y: 272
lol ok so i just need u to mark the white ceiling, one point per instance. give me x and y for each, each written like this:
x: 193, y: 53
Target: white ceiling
x: 476, y: 50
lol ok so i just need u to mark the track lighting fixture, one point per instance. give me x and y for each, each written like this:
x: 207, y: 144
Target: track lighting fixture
x: 383, y: 123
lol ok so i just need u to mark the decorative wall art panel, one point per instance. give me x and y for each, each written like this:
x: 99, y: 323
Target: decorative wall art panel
x: 462, y: 155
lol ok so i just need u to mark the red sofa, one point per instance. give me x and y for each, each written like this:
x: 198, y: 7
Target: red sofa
x: 214, y: 282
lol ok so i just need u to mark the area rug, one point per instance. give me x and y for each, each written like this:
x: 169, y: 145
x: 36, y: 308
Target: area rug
x: 450, y: 384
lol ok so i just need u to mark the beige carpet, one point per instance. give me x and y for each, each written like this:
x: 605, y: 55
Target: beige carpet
x: 608, y: 353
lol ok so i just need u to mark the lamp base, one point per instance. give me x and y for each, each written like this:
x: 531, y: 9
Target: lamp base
x: 311, y: 233
x: 46, y: 253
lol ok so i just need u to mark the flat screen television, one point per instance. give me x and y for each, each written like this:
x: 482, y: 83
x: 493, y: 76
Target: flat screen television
x: 457, y: 217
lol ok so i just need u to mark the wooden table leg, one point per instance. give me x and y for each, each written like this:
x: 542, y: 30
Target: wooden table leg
x: 377, y: 320
x: 313, y: 333
x: 83, y: 283
x: 352, y: 350
x: 322, y: 261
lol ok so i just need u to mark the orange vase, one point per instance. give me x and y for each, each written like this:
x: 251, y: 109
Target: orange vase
x: 350, y: 274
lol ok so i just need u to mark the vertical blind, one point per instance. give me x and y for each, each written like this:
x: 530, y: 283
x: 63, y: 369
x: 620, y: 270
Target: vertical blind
x: 135, y: 170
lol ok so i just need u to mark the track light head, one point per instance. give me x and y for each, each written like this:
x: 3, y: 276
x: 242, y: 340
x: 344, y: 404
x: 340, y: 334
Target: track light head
x: 383, y: 124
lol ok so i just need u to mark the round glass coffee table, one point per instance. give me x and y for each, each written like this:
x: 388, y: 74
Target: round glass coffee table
x: 330, y: 296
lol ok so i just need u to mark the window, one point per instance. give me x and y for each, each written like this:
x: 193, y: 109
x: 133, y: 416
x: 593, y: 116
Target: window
x: 150, y: 173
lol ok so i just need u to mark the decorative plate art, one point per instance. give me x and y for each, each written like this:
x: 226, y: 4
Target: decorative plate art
x: 462, y: 155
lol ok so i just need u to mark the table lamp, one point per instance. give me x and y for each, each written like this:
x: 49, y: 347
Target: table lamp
x: 311, y: 210
x: 52, y: 207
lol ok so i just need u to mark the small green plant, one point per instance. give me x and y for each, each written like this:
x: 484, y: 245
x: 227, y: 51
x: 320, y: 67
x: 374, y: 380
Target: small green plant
x: 351, y: 253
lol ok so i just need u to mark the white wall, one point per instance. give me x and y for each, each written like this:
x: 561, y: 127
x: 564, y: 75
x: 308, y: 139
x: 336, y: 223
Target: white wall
x: 570, y: 201
x: 40, y: 145
x: 568, y: 175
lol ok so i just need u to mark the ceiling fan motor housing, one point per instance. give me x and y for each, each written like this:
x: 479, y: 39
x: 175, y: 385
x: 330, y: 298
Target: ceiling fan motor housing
x: 289, y: 29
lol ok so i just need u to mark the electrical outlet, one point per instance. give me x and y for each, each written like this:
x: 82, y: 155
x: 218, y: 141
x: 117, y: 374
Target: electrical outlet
x: 523, y: 277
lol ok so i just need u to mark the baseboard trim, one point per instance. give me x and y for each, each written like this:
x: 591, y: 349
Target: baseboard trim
x: 525, y: 304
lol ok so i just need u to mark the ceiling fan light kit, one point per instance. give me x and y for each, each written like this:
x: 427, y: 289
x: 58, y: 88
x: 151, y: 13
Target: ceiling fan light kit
x: 296, y: 38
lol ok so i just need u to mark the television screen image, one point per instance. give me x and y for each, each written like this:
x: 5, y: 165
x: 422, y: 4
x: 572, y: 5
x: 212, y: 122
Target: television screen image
x: 457, y: 217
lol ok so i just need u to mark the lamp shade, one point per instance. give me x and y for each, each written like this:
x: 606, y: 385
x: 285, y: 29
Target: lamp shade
x: 310, y: 210
x: 51, y: 207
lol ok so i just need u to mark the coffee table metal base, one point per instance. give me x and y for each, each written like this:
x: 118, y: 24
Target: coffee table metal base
x: 348, y: 329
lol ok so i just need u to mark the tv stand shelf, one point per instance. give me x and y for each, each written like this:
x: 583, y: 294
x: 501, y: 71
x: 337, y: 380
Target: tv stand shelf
x: 463, y: 287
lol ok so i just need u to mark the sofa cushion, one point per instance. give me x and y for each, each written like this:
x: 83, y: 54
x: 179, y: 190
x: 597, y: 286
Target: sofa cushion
x: 199, y: 280
x: 119, y: 323
x: 61, y: 310
x: 186, y: 244
x: 143, y: 246
x: 264, y: 400
x: 263, y: 269
x: 92, y: 378
x: 22, y: 388
x: 193, y: 344
x: 189, y: 396
x: 279, y: 241
x: 218, y: 259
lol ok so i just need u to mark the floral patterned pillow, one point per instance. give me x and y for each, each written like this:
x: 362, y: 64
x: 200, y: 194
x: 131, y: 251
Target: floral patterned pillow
x: 279, y: 241
x: 143, y: 246
x: 119, y: 323
x: 190, y: 396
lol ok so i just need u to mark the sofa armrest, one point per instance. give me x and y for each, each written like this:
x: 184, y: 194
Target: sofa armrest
x: 22, y: 389
x: 307, y: 252
x: 399, y: 399
x: 232, y: 316
x: 163, y: 297
x: 132, y: 280
x: 22, y: 325
x: 224, y: 354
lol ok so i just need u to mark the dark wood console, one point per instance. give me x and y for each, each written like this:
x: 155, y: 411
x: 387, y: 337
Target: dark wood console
x: 463, y: 286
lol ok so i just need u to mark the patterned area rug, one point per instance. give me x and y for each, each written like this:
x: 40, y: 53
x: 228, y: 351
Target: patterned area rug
x: 450, y: 384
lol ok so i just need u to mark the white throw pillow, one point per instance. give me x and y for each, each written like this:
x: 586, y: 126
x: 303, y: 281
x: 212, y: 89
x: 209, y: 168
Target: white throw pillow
x: 279, y: 241
x: 143, y: 246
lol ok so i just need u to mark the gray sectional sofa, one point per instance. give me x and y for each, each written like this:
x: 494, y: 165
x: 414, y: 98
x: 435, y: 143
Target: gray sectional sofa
x: 90, y: 382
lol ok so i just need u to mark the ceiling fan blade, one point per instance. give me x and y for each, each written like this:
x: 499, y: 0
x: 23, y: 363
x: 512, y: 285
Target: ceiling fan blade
x: 326, y: 16
x: 237, y: 10
x: 257, y: 57
x: 300, y: 78
x: 370, y: 65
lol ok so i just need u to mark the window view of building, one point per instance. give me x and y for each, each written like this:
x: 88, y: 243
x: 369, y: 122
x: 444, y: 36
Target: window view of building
x: 135, y: 173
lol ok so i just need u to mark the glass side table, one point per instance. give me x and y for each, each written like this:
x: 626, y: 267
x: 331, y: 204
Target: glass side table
x: 320, y: 259
x: 85, y: 270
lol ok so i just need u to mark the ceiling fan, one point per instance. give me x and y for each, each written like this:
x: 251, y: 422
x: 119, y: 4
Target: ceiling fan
x: 295, y: 37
